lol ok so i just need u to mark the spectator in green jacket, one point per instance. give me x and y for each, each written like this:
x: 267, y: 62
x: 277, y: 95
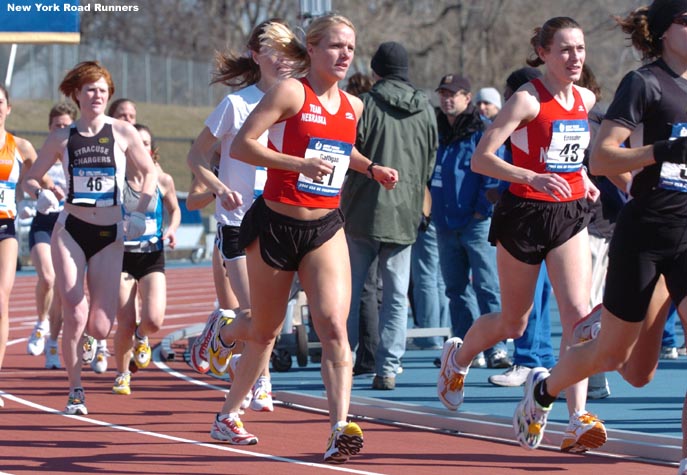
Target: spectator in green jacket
x: 397, y: 129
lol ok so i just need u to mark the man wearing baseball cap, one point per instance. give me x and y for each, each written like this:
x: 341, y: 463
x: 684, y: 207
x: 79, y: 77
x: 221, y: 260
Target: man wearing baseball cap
x: 462, y: 213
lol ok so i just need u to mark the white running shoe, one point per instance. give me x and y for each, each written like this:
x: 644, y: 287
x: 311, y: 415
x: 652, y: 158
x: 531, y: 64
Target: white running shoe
x: 199, y: 349
x: 89, y: 348
x: 588, y: 328
x: 76, y: 404
x: 122, y: 384
x: 584, y: 432
x: 513, y: 377
x: 262, y: 395
x: 219, y: 355
x: 142, y: 353
x: 529, y: 419
x: 669, y: 353
x: 99, y: 363
x: 450, y: 382
x: 36, y: 343
x: 52, y: 356
x: 345, y: 440
x: 229, y: 428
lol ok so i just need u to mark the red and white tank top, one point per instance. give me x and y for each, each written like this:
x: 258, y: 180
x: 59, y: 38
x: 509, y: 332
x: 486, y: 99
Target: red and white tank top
x: 554, y: 142
x: 10, y: 167
x: 312, y: 132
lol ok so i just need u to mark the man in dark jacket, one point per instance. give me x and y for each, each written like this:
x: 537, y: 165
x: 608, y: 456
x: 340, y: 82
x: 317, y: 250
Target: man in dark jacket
x: 462, y: 213
x: 397, y: 129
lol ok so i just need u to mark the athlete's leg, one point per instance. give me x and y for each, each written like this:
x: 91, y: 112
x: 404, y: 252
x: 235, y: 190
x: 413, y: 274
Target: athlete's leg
x: 518, y: 281
x: 326, y: 278
x: 126, y: 322
x: 225, y: 295
x: 70, y: 265
x: 9, y: 249
x: 569, y: 267
x: 153, y: 293
x: 42, y: 260
x: 640, y: 368
x: 104, y: 270
x: 259, y: 327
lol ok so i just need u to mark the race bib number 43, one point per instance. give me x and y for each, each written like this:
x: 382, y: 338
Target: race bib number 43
x: 569, y: 140
x: 332, y: 151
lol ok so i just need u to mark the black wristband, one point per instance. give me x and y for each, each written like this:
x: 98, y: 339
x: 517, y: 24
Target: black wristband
x: 38, y: 192
x: 674, y: 151
x: 369, y: 170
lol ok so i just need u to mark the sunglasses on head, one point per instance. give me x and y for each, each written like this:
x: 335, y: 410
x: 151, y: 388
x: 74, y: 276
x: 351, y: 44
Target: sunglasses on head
x: 681, y: 20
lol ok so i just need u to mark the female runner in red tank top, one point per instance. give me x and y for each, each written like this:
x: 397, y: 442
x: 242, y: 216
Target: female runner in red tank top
x: 296, y: 226
x: 542, y: 217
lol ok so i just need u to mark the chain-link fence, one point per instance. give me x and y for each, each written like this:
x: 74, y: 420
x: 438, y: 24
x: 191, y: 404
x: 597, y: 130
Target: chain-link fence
x: 39, y: 69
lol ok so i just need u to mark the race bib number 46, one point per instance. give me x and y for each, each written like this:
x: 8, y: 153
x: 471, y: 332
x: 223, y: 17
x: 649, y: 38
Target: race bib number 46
x: 332, y: 151
x: 569, y: 140
x: 94, y: 186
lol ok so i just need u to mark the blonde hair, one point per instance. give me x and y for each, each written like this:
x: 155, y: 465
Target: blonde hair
x: 282, y: 40
x: 236, y: 70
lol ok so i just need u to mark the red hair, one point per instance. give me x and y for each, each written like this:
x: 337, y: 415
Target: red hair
x: 84, y: 73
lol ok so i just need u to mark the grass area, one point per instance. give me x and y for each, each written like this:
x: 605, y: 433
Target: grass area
x: 174, y: 128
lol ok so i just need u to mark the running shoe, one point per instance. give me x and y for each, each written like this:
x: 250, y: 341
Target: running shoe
x: 499, y: 359
x: 514, y: 376
x: 529, y: 419
x: 219, y: 354
x: 584, y: 432
x: 199, y: 349
x: 588, y: 328
x: 99, y: 363
x: 479, y: 361
x: 36, y: 344
x: 262, y: 395
x: 142, y: 353
x: 122, y: 384
x: 89, y: 348
x: 76, y: 404
x: 669, y: 353
x: 450, y: 383
x: 229, y: 428
x: 345, y: 440
x: 52, y: 356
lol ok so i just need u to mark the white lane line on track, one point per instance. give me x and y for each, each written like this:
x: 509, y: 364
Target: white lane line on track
x: 162, y: 366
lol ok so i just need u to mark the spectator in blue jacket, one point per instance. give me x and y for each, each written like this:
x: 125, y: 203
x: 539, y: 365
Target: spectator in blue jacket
x: 462, y: 215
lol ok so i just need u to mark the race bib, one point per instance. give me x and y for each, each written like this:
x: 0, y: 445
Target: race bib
x: 260, y: 179
x: 7, y: 199
x: 569, y: 140
x: 94, y: 186
x: 674, y: 175
x: 335, y: 152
